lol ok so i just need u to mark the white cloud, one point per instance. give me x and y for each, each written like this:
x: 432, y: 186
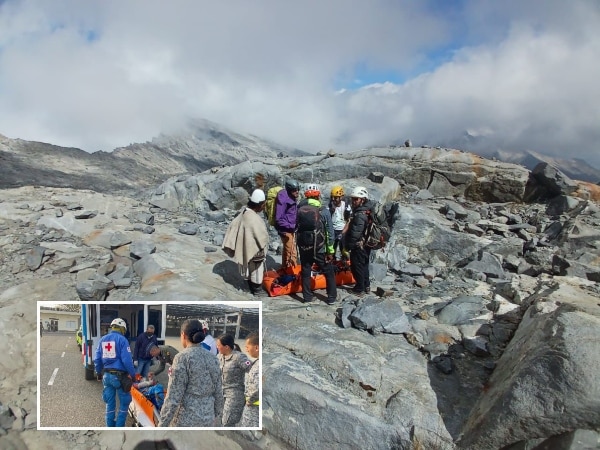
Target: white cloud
x: 99, y: 75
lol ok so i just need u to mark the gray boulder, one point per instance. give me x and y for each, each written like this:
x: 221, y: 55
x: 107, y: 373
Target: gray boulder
x: 553, y: 180
x: 377, y: 315
x: 463, y: 310
x: 546, y: 382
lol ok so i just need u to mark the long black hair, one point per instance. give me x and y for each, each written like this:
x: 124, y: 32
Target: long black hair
x: 192, y: 329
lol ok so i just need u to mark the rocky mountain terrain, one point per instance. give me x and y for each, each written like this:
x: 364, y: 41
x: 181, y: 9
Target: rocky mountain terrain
x: 575, y: 168
x: 199, y: 146
x: 482, y: 331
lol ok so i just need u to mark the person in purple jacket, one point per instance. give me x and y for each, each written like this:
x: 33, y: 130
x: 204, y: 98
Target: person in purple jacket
x: 286, y: 209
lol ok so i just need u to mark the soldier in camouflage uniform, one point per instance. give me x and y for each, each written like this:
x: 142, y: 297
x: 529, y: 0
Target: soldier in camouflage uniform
x: 195, y: 393
x: 234, y: 366
x: 250, y: 416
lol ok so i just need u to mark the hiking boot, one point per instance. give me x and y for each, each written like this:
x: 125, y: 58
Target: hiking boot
x: 330, y: 301
x: 256, y: 289
x: 357, y: 293
x: 307, y: 300
x: 260, y: 293
x: 368, y: 289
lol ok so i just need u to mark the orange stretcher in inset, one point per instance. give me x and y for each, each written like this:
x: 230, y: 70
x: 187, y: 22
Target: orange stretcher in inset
x: 142, y: 410
x: 288, y: 280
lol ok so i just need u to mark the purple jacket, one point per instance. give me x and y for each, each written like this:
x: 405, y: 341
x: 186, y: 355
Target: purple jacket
x: 286, y: 210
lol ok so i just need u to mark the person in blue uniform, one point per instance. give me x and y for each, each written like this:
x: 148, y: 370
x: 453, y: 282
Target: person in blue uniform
x: 114, y: 361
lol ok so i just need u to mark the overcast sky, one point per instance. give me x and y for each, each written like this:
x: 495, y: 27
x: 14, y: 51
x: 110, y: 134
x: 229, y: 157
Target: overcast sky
x: 313, y: 74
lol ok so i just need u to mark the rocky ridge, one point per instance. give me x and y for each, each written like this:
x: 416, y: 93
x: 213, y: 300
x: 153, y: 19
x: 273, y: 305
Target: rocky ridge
x: 197, y: 146
x: 480, y: 296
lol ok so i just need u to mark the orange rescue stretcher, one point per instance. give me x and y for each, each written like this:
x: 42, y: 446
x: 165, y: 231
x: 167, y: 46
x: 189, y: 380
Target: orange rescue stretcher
x: 142, y: 410
x: 288, y: 280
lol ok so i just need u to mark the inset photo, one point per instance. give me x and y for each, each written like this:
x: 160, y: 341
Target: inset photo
x: 188, y: 365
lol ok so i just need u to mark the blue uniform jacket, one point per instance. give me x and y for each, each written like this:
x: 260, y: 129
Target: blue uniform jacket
x: 114, y: 353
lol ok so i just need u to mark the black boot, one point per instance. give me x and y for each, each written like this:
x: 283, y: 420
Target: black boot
x: 255, y: 288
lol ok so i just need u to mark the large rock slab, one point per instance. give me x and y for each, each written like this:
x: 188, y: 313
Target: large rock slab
x: 546, y: 382
x: 442, y: 171
x: 420, y: 232
x: 335, y: 388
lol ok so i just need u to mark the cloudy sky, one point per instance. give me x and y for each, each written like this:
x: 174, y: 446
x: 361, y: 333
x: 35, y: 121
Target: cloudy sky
x: 315, y: 74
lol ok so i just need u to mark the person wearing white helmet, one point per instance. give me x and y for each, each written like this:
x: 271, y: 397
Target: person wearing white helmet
x: 359, y: 255
x: 246, y: 241
x: 114, y: 361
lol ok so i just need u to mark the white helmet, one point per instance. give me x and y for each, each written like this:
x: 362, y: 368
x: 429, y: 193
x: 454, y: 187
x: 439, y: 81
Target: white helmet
x: 118, y: 322
x: 359, y: 192
x: 258, y: 196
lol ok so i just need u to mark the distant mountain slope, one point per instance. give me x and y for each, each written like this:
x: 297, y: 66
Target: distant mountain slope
x: 478, y: 143
x: 577, y: 169
x: 199, y: 146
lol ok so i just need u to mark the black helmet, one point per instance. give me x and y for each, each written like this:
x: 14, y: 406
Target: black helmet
x: 292, y: 185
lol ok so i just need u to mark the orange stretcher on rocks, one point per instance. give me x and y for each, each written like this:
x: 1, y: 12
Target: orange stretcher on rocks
x: 288, y: 280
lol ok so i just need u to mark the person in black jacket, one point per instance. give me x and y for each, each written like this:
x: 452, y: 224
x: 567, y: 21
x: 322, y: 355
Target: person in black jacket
x: 142, y: 358
x: 359, y: 255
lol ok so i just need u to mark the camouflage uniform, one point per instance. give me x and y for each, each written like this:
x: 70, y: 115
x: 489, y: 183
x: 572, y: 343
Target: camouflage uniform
x: 250, y: 415
x: 195, y: 393
x: 233, y: 368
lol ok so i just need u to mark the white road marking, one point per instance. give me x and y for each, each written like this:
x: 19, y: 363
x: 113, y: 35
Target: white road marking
x: 63, y: 355
x: 51, y: 382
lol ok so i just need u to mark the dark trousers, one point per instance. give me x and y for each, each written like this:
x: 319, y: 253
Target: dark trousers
x: 307, y: 259
x: 338, y: 241
x: 359, y: 265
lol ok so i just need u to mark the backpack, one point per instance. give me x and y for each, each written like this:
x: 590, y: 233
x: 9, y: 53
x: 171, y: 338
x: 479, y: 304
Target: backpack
x: 311, y: 233
x: 377, y: 232
x: 270, y: 204
x: 156, y: 394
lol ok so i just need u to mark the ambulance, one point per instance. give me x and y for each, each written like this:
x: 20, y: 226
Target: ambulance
x: 96, y: 319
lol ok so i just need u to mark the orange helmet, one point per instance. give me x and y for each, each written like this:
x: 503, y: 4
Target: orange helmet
x: 312, y: 190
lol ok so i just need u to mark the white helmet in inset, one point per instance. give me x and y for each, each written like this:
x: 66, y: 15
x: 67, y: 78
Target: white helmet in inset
x: 360, y: 192
x: 118, y: 322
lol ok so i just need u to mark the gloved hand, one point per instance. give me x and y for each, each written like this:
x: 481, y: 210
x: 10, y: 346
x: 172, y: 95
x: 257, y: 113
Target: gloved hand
x: 135, y: 364
x: 98, y: 376
x: 328, y: 258
x: 345, y: 254
x: 138, y: 376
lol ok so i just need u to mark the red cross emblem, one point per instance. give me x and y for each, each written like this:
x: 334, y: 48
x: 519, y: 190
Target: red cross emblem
x: 108, y: 347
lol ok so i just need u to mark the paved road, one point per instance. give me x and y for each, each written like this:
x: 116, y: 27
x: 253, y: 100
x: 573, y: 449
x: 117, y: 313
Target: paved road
x: 70, y: 401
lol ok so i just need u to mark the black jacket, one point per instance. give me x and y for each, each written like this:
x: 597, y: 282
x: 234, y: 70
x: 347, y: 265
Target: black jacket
x: 358, y: 224
x: 143, y: 344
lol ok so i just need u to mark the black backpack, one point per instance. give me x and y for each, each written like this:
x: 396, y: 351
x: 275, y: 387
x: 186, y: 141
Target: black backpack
x: 378, y: 231
x: 311, y: 233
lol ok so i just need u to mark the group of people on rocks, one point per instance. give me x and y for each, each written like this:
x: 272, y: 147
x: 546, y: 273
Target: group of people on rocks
x: 342, y: 227
x: 206, y: 388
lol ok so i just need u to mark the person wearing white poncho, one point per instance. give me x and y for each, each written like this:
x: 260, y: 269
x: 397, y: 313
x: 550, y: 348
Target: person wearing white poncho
x: 246, y: 241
